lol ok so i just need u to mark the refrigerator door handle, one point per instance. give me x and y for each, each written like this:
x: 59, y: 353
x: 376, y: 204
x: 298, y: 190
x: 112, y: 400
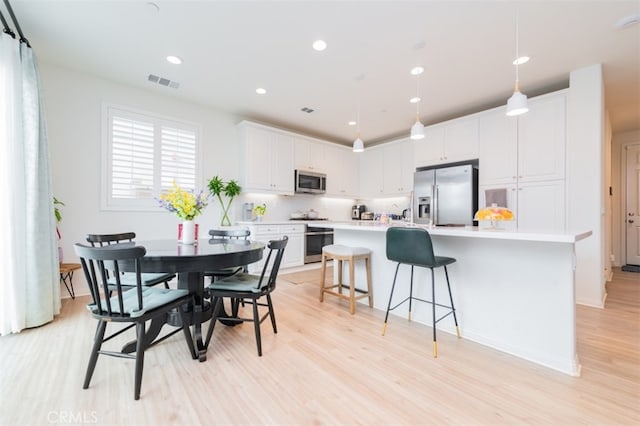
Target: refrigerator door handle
x: 434, y: 202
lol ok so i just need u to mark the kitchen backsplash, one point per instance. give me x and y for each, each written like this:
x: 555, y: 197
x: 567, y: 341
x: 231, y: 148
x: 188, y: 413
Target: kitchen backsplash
x: 280, y: 207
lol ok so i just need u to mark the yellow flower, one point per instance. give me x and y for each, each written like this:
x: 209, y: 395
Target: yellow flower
x: 185, y: 204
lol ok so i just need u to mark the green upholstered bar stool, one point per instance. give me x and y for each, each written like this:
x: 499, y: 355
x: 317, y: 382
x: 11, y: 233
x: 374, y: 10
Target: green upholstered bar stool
x: 413, y: 246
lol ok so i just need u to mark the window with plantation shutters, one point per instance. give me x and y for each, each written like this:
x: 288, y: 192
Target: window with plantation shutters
x: 143, y: 155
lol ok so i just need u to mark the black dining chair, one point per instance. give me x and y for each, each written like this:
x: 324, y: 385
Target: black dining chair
x: 249, y: 288
x: 413, y: 246
x: 127, y: 279
x: 134, y: 305
x: 227, y: 234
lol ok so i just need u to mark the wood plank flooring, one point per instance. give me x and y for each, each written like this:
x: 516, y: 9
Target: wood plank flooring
x: 326, y: 367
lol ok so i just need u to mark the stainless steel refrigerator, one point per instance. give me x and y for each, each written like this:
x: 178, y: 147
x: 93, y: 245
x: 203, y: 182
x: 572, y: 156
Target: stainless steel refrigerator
x: 446, y: 196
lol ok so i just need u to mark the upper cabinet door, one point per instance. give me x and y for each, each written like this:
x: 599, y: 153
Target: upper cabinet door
x: 256, y: 156
x: 398, y: 167
x: 371, y: 172
x: 498, y: 148
x: 281, y: 158
x: 448, y: 142
x: 342, y: 171
x: 542, y: 140
x: 310, y: 155
x: 430, y: 150
x: 461, y: 139
x: 268, y: 159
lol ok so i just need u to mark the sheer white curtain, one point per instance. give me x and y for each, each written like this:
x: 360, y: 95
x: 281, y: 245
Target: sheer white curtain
x: 29, y: 272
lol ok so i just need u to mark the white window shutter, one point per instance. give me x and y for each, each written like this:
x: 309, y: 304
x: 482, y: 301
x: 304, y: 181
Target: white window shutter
x: 131, y: 159
x: 143, y: 154
x: 178, y: 162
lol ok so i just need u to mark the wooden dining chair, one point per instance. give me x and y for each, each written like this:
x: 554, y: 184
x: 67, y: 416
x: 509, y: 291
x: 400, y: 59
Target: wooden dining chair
x: 127, y: 279
x: 249, y: 288
x: 115, y: 302
x: 227, y: 234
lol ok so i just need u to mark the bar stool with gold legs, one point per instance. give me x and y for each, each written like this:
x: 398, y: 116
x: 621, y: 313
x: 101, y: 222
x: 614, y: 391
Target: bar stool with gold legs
x: 413, y: 246
x: 346, y: 254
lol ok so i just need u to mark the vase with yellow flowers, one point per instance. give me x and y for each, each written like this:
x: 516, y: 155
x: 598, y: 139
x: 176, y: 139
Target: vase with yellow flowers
x: 187, y: 205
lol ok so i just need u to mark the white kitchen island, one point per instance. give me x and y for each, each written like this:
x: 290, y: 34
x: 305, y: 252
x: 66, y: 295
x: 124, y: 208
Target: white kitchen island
x: 513, y: 291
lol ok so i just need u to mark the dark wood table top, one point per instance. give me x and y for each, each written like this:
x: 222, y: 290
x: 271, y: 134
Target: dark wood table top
x: 171, y: 256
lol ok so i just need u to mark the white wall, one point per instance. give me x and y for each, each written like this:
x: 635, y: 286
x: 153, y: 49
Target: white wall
x: 585, y: 179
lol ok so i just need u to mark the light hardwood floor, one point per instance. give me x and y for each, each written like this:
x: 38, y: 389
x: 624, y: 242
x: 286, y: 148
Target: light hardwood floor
x: 326, y: 367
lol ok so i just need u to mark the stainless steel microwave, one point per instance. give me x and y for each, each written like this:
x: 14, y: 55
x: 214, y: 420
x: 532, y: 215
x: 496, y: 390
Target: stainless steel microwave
x: 310, y: 182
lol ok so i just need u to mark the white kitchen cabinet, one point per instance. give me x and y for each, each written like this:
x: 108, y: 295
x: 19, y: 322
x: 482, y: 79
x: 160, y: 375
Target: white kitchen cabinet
x: 293, y: 253
x: 268, y: 159
x: 448, y: 142
x: 398, y: 167
x: 310, y: 155
x: 342, y: 171
x: 527, y: 148
x: 537, y: 206
x: 498, y: 148
x: 541, y: 206
x: 371, y: 172
x: 542, y: 139
x: 526, y: 155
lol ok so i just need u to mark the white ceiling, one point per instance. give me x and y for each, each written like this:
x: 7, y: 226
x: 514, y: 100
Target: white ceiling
x: 232, y: 47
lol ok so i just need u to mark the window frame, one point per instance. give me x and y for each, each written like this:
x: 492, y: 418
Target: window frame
x: 109, y: 110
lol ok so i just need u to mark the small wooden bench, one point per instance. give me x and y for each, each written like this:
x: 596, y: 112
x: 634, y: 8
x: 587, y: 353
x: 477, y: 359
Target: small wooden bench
x: 66, y: 276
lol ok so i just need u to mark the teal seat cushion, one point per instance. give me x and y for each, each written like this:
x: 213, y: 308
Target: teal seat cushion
x: 237, y: 282
x: 223, y: 272
x: 129, y: 278
x: 152, y: 298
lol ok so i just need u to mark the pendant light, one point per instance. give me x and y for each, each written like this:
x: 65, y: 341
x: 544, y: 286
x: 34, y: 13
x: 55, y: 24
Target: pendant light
x: 358, y: 145
x: 417, y: 130
x: 517, y: 103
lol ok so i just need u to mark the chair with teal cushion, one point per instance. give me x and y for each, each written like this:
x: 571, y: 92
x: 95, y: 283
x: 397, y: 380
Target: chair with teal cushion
x: 413, y: 246
x: 227, y: 234
x: 127, y: 279
x: 125, y: 304
x: 249, y: 288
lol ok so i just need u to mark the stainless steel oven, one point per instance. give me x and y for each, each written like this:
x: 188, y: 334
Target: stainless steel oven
x: 314, y: 240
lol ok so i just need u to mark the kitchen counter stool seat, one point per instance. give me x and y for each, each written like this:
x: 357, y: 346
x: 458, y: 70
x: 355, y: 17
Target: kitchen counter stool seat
x: 413, y: 246
x: 343, y: 253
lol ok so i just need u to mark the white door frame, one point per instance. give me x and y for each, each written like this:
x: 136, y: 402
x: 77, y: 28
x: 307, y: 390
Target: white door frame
x: 623, y: 207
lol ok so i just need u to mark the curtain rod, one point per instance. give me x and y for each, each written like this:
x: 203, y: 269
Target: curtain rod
x: 15, y: 22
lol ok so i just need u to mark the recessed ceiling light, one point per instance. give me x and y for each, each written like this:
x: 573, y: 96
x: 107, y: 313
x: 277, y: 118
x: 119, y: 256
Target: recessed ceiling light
x: 521, y: 60
x: 319, y: 45
x: 261, y: 91
x: 174, y: 60
x: 153, y: 6
x: 415, y: 100
x: 417, y: 70
x: 352, y: 123
x: 627, y: 21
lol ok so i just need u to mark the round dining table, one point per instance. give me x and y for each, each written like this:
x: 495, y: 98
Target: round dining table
x: 190, y: 262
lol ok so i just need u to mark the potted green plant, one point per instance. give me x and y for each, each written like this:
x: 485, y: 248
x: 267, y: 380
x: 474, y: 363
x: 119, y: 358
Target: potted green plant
x: 58, y: 215
x: 230, y: 189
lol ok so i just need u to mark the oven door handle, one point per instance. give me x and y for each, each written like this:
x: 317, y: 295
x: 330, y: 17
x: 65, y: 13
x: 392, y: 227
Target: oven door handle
x: 318, y: 233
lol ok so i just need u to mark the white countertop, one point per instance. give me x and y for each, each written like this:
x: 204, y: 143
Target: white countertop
x: 467, y: 231
x: 320, y: 223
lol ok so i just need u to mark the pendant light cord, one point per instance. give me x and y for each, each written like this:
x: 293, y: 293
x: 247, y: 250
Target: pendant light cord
x: 517, y: 50
x: 418, y: 99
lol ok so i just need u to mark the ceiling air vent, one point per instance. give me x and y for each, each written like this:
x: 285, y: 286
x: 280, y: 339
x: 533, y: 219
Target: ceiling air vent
x: 307, y: 110
x: 163, y: 81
